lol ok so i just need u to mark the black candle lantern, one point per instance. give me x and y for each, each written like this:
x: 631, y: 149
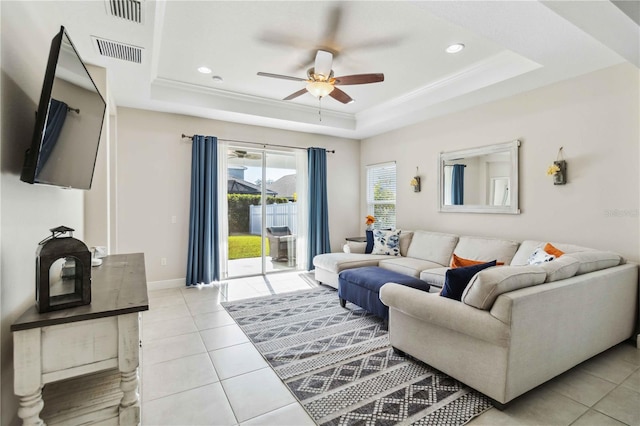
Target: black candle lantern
x: 63, y: 271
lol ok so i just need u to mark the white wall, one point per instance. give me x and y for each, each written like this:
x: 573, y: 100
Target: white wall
x: 27, y: 212
x: 153, y: 177
x: 97, y: 201
x: 594, y: 117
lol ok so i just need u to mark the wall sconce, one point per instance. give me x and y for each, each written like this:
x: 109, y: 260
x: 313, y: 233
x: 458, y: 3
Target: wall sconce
x: 558, y: 169
x: 415, y: 182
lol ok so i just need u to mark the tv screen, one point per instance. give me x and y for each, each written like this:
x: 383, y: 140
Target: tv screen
x: 68, y: 122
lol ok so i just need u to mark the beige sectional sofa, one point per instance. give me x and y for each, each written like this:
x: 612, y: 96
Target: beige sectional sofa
x: 518, y: 325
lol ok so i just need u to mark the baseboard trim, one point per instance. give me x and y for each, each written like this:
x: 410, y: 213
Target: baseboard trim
x: 165, y: 284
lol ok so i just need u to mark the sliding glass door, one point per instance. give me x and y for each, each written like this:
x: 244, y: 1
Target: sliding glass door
x: 263, y: 215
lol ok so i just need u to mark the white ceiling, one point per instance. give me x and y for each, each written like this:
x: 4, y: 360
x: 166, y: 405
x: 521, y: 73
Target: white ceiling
x: 511, y: 47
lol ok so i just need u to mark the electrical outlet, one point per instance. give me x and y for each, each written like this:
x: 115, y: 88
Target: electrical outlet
x: 163, y: 261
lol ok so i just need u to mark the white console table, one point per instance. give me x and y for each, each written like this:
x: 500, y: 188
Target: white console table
x: 85, y: 340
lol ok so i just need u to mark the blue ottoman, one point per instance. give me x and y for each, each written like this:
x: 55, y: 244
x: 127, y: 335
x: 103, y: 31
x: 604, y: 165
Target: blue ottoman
x: 361, y: 286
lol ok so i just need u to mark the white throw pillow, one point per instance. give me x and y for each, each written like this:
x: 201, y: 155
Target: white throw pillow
x: 539, y: 256
x: 386, y: 242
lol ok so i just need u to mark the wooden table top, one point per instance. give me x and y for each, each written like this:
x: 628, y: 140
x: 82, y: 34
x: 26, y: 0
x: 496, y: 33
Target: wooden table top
x: 118, y: 286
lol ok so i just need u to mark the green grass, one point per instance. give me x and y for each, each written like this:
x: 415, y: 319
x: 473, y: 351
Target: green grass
x: 245, y: 246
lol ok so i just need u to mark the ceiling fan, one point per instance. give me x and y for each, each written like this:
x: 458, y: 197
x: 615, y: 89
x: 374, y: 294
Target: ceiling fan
x: 238, y: 153
x: 329, y: 41
x: 321, y: 82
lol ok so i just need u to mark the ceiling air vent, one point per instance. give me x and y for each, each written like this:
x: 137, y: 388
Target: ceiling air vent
x: 115, y: 49
x: 131, y: 10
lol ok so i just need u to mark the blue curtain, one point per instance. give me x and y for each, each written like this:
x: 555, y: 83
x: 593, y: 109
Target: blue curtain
x: 457, y: 184
x: 203, y: 262
x: 55, y: 121
x: 318, y: 210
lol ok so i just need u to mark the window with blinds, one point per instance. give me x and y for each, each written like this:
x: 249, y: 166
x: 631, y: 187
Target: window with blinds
x: 381, y: 194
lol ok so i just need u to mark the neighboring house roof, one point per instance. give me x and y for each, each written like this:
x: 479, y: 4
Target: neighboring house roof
x: 241, y: 186
x: 285, y: 186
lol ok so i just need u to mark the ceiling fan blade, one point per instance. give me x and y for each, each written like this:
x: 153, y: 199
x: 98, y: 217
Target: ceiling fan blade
x: 376, y: 43
x: 286, y: 40
x: 359, y: 79
x: 339, y: 95
x: 295, y: 95
x: 323, y: 63
x: 333, y: 25
x: 283, y: 77
x: 305, y: 62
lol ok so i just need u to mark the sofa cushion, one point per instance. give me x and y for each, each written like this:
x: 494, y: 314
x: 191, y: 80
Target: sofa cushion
x: 386, y: 242
x: 432, y: 246
x: 528, y: 246
x: 405, y: 241
x: 434, y: 276
x: 594, y: 260
x: 457, y: 279
x: 487, y: 285
x: 560, y: 269
x: 407, y: 265
x: 486, y: 249
x: 336, y: 262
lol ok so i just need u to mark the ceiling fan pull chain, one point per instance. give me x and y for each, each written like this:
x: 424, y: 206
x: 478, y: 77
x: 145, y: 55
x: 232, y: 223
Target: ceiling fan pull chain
x: 320, y: 108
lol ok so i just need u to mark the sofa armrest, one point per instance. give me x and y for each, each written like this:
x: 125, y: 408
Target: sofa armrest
x: 355, y: 247
x: 445, y: 312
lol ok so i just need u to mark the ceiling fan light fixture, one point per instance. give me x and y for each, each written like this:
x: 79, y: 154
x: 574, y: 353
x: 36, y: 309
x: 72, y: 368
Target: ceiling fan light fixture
x: 455, y: 48
x: 319, y: 89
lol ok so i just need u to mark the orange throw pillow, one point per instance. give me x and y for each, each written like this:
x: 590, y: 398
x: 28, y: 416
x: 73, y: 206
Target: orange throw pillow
x: 461, y: 262
x: 552, y: 250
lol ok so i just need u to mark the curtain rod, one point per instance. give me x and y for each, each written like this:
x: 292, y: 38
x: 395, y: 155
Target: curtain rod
x: 451, y: 165
x: 258, y: 143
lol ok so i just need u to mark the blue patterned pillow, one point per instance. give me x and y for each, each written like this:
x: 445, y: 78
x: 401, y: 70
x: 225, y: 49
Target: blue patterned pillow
x: 386, y: 242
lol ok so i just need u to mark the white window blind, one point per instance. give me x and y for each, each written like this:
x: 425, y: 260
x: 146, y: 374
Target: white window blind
x: 381, y: 194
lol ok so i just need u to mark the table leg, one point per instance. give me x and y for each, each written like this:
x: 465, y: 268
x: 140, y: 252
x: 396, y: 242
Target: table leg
x: 128, y: 360
x: 27, y: 375
x: 30, y: 407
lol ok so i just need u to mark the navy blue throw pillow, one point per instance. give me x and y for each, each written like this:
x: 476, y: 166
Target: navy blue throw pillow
x: 456, y: 279
x: 369, y: 247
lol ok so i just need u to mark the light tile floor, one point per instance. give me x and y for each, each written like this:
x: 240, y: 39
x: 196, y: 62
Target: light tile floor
x: 198, y: 368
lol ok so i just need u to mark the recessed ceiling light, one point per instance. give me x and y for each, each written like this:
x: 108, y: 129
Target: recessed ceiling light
x: 455, y: 48
x: 217, y: 79
x: 204, y: 70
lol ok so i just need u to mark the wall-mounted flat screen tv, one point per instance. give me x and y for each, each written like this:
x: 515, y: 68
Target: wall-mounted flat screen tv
x: 68, y: 122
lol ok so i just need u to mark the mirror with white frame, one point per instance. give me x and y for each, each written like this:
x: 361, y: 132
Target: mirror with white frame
x: 480, y: 180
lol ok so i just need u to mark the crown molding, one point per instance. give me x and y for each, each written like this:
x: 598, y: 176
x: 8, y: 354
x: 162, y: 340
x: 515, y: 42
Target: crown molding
x: 243, y: 103
x: 400, y: 111
x: 410, y: 108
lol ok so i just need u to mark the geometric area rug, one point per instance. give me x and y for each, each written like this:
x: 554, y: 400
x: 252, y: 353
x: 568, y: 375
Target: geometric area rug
x: 339, y: 364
